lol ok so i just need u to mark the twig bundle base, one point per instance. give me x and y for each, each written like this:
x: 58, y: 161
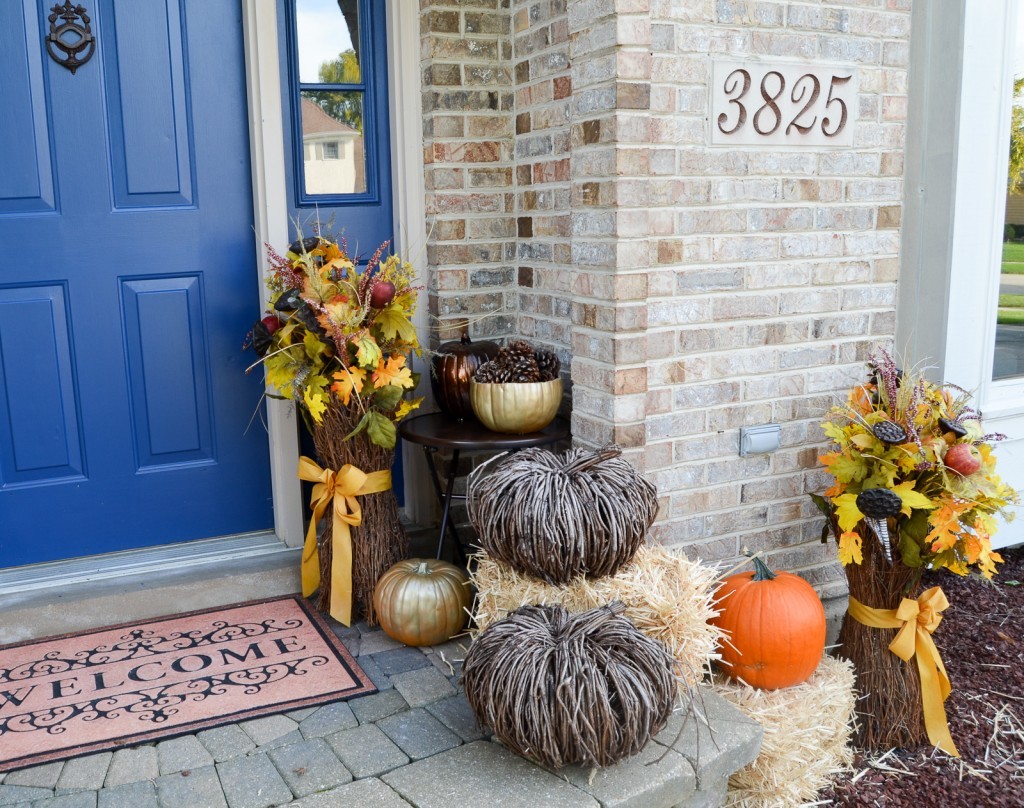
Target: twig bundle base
x: 667, y: 597
x: 806, y: 740
x: 380, y: 541
x: 889, y: 712
x: 563, y: 688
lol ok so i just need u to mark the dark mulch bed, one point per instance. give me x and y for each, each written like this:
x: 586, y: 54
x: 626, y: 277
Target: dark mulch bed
x: 981, y: 640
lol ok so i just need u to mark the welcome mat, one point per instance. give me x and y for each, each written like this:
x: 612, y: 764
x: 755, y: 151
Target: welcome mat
x: 79, y: 693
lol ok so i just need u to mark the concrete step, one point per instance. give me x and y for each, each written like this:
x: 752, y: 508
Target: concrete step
x: 686, y: 766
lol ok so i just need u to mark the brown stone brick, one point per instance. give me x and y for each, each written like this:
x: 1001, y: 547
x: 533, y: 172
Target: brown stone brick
x: 439, y: 74
x: 482, y: 23
x: 443, y: 22
x: 449, y: 229
x: 632, y: 95
x: 464, y: 48
x: 525, y: 226
x: 889, y: 216
x: 490, y: 177
x: 561, y: 87
x: 591, y: 131
x: 522, y: 123
x: 552, y: 171
x: 488, y: 126
x: 526, y: 277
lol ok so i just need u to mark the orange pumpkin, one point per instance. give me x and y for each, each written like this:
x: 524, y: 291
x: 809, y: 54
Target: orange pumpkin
x: 422, y: 601
x: 776, y: 627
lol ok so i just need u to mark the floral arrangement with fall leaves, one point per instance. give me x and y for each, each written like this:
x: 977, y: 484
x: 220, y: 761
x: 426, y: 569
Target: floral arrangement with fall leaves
x: 336, y: 331
x: 913, y: 453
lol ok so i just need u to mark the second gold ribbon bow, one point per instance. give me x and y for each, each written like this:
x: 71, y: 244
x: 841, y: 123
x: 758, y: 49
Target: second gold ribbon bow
x: 916, y: 620
x: 340, y: 488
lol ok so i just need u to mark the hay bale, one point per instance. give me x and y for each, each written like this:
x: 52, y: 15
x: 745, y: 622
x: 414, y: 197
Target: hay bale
x: 667, y: 596
x: 807, y: 730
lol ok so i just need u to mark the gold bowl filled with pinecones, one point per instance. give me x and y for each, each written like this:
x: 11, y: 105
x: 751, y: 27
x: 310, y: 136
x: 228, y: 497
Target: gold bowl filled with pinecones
x: 518, y: 391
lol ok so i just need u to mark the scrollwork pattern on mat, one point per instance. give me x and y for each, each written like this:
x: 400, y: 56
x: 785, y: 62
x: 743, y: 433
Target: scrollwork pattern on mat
x: 158, y: 704
x: 144, y: 643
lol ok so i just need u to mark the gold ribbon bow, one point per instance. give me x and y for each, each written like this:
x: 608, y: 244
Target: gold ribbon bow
x: 340, y: 487
x: 916, y: 620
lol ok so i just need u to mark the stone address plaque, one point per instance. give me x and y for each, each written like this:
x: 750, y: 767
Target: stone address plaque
x: 782, y: 104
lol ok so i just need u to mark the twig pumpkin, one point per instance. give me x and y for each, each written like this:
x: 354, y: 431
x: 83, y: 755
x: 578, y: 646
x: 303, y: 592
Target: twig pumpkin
x: 776, y: 627
x: 562, y: 688
x: 556, y: 517
x: 422, y: 601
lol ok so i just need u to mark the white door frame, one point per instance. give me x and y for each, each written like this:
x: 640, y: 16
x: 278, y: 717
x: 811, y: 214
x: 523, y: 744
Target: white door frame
x: 957, y: 154
x: 986, y: 92
x: 270, y: 200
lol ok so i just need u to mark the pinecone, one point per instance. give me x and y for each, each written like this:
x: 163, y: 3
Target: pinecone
x: 487, y: 373
x: 520, y: 346
x: 548, y: 365
x: 889, y: 432
x: 879, y: 503
x: 523, y: 369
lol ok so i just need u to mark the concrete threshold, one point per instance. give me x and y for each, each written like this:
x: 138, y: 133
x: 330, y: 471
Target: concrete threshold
x: 54, y: 610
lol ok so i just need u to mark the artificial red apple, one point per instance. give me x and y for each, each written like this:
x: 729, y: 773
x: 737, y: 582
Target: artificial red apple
x: 271, y: 322
x: 963, y: 458
x: 381, y: 294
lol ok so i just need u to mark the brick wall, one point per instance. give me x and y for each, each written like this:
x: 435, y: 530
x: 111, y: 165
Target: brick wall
x: 468, y: 127
x: 543, y: 98
x: 699, y: 289
x: 772, y: 272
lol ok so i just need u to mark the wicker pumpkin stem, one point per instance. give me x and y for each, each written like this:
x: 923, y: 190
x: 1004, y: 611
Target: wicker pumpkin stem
x: 583, y: 463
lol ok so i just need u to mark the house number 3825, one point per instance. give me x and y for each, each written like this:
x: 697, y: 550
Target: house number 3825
x: 782, y: 104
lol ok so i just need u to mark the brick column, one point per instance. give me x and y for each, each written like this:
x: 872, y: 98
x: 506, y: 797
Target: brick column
x: 468, y: 128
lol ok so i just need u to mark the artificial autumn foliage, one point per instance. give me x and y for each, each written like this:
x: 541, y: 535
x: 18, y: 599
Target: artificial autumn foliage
x: 775, y: 625
x: 338, y: 331
x: 924, y: 443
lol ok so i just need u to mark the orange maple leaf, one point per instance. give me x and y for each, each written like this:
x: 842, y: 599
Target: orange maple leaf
x: 946, y: 527
x: 393, y: 372
x: 347, y: 381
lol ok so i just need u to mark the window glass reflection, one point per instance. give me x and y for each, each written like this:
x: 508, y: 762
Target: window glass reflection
x: 1009, y: 349
x: 333, y: 156
x: 327, y: 34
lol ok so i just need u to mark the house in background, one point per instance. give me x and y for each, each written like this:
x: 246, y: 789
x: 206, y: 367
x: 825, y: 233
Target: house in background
x: 713, y: 210
x: 333, y: 161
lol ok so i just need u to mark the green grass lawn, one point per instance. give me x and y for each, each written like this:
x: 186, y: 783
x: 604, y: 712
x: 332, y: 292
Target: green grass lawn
x: 1011, y: 309
x: 1013, y: 258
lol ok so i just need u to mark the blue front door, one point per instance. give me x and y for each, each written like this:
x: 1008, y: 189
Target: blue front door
x: 127, y: 281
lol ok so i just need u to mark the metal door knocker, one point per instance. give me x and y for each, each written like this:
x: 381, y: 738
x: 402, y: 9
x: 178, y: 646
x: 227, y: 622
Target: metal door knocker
x: 71, y: 37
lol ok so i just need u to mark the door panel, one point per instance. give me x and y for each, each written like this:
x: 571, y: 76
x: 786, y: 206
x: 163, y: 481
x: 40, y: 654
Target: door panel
x: 41, y: 440
x: 150, y: 153
x: 26, y: 181
x: 168, y: 374
x: 124, y: 405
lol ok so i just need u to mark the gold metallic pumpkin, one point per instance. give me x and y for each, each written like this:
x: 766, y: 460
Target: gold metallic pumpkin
x: 422, y: 601
x: 516, y: 407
